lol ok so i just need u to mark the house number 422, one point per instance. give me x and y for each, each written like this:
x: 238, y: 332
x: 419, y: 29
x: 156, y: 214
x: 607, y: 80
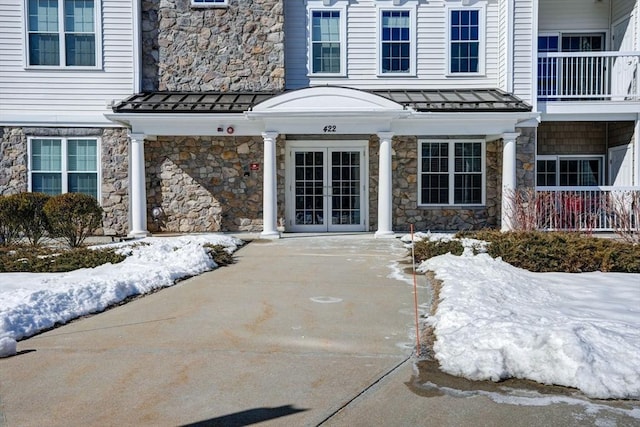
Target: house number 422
x: 329, y: 128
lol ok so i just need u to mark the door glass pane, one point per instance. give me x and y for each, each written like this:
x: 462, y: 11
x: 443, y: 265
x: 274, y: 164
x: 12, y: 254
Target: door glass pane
x: 345, y: 184
x: 309, y: 188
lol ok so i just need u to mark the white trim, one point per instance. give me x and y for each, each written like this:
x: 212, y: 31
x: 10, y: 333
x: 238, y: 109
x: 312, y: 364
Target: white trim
x: 451, y: 172
x: 413, y: 51
x: 97, y: 16
x: 203, y: 4
x: 64, y: 169
x: 321, y: 6
x: 481, y: 7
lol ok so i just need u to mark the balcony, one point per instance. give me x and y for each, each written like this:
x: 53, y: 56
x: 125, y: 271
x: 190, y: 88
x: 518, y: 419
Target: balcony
x: 586, y: 209
x: 588, y: 76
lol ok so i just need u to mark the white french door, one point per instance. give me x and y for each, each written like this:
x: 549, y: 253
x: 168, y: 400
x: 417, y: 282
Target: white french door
x: 326, y: 188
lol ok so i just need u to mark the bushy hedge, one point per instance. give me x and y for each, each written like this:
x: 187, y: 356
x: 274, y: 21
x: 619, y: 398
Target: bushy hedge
x: 43, y: 260
x: 549, y: 251
x: 73, y: 217
x: 425, y: 249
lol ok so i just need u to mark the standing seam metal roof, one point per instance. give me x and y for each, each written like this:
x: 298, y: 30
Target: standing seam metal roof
x: 444, y: 100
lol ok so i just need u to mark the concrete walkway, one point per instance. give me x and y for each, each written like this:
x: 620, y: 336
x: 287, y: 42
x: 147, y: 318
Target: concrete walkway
x: 302, y: 331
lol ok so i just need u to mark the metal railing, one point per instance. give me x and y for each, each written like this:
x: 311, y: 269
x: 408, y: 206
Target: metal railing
x: 611, y: 76
x: 601, y: 208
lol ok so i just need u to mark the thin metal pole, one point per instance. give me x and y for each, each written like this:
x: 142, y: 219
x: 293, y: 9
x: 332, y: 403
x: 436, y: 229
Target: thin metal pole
x: 415, y: 294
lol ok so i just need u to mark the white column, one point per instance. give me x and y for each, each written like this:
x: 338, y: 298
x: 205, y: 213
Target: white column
x: 508, y: 180
x: 137, y: 188
x: 269, y: 196
x: 385, y: 198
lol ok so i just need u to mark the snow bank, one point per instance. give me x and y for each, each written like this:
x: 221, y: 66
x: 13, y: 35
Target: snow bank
x: 31, y: 302
x: 495, y: 321
x: 8, y: 347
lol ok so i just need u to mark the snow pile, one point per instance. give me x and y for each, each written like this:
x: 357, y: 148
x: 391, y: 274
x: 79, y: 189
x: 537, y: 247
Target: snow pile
x: 8, y: 347
x: 31, y: 302
x: 495, y: 321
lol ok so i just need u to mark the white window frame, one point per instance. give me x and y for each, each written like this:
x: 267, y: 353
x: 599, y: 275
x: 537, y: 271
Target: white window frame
x: 558, y: 157
x: 452, y: 174
x: 209, y: 3
x: 386, y: 6
x: 481, y: 7
x: 61, y: 40
x: 64, y: 169
x: 318, y: 6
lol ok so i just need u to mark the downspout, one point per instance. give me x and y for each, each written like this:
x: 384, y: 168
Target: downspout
x: 510, y: 48
x: 136, y: 22
x: 534, y: 55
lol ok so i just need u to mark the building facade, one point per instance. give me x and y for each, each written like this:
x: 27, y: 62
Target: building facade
x: 317, y: 115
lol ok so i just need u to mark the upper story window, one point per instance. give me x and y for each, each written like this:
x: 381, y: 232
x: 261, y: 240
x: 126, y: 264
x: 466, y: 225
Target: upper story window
x: 326, y: 42
x: 64, y: 165
x: 466, y: 43
x: 552, y: 171
x: 62, y: 33
x: 451, y: 173
x: 396, y: 42
x: 209, y: 3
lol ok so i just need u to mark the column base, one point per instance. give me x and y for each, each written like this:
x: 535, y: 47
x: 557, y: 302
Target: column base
x: 138, y: 234
x: 384, y: 234
x: 270, y: 235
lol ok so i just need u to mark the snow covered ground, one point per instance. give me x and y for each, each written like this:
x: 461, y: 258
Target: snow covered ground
x: 495, y: 321
x: 32, y: 302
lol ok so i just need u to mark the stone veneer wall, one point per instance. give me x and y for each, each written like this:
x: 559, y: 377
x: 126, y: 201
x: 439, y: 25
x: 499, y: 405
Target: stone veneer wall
x: 572, y: 138
x: 206, y: 183
x: 405, y: 186
x: 235, y: 48
x: 114, y: 164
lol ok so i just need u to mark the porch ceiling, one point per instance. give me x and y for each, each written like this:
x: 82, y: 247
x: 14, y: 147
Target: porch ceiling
x: 445, y: 100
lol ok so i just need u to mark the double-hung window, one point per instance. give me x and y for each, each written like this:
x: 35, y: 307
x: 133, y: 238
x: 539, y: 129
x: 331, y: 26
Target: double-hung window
x: 572, y: 171
x: 451, y: 173
x: 465, y: 41
x: 64, y: 165
x: 63, y: 33
x: 397, y: 42
x: 327, y: 50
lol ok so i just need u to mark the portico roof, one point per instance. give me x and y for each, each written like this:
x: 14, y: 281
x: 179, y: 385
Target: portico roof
x: 440, y: 100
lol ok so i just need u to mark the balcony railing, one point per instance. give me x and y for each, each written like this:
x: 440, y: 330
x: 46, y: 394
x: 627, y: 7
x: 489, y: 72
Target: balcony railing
x: 582, y: 209
x: 577, y: 76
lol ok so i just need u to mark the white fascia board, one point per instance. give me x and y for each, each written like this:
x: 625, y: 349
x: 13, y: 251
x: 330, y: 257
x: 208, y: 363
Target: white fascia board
x: 462, y: 123
x: 55, y: 120
x: 168, y: 124
x: 588, y: 111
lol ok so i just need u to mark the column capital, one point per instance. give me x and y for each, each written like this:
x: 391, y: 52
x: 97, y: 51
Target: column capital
x: 385, y: 135
x: 510, y: 136
x: 133, y: 136
x: 270, y: 134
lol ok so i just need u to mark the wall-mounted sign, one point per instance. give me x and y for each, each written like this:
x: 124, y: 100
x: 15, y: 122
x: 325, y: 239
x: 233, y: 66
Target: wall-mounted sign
x: 254, y: 166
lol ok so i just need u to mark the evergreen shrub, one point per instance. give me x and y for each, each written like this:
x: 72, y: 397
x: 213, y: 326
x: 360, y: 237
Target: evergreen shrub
x: 29, y: 216
x: 73, y: 217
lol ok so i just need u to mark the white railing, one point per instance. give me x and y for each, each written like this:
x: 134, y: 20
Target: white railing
x: 587, y: 208
x: 588, y: 76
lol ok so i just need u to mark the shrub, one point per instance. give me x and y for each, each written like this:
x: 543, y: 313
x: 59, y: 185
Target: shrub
x: 9, y: 229
x: 425, y: 249
x: 45, y: 260
x: 29, y: 215
x: 73, y: 217
x: 561, y: 252
x: 219, y: 254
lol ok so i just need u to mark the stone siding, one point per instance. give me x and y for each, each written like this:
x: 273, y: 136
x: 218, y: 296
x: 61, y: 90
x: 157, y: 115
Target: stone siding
x: 235, y: 48
x: 114, y: 164
x: 206, y: 183
x: 567, y: 138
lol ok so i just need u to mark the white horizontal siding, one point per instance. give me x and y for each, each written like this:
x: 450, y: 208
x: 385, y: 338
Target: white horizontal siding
x: 573, y: 15
x: 523, y: 50
x: 49, y: 94
x: 431, y: 49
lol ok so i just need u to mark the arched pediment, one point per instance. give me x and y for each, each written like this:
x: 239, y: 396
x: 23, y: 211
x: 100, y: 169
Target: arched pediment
x: 327, y: 99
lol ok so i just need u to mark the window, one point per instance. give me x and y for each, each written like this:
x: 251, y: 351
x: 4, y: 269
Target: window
x: 465, y: 45
x: 61, y: 165
x: 209, y: 3
x: 62, y: 33
x: 396, y: 42
x: 451, y: 173
x: 326, y: 49
x: 569, y: 171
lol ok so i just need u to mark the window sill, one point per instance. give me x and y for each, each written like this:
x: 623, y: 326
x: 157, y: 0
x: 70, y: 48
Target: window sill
x: 463, y: 75
x: 327, y: 75
x: 452, y: 206
x: 61, y: 68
